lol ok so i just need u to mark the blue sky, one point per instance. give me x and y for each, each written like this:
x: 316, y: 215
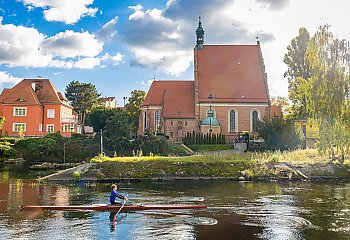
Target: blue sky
x: 121, y: 45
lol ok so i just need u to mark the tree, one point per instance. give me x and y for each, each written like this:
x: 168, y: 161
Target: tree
x: 283, y: 103
x: 133, y: 107
x: 298, y: 71
x: 279, y: 134
x: 82, y: 96
x: 328, y: 89
x: 118, y: 131
x: 99, y: 115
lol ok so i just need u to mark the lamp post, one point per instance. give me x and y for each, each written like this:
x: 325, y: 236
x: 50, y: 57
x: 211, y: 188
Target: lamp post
x: 124, y: 98
x: 211, y: 113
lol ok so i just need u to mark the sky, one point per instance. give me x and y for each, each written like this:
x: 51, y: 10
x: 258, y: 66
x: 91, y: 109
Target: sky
x: 123, y: 45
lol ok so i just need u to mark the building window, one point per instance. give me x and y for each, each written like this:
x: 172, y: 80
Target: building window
x: 50, y: 128
x: 19, y: 127
x: 157, y: 119
x: 210, y: 112
x: 232, y: 120
x: 68, y: 128
x: 50, y: 113
x: 171, y: 123
x: 186, y: 123
x: 144, y: 120
x: 171, y: 134
x: 254, y: 120
x: 19, y: 111
x: 40, y: 127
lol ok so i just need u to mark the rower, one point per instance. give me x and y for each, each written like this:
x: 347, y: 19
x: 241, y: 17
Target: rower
x: 114, y: 195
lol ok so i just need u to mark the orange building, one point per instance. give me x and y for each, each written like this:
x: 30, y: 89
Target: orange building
x: 228, y: 95
x: 34, y: 107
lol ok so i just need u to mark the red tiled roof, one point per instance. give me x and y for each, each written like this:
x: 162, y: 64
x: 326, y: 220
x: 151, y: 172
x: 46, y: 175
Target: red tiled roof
x: 24, y: 94
x: 231, y: 73
x: 177, y: 96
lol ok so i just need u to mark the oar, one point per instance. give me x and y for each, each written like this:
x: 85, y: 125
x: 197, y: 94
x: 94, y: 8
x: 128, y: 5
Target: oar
x: 115, y: 218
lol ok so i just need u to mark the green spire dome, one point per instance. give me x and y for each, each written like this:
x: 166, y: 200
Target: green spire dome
x: 200, y: 35
x: 210, y: 121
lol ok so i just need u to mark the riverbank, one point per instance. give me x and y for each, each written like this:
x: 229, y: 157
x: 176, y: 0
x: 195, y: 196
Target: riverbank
x: 298, y: 165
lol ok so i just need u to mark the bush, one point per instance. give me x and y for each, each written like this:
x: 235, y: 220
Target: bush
x: 279, y: 134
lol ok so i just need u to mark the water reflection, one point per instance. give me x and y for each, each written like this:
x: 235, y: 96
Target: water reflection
x: 236, y: 211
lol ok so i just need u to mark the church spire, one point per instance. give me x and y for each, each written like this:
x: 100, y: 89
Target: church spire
x: 200, y: 35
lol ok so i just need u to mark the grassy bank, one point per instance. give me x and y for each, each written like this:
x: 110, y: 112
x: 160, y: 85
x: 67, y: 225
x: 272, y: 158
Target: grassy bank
x: 254, y: 165
x: 210, y: 147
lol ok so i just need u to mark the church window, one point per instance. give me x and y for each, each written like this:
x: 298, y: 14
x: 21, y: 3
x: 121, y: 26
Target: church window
x: 254, y: 119
x: 157, y: 120
x: 144, y: 120
x: 232, y: 121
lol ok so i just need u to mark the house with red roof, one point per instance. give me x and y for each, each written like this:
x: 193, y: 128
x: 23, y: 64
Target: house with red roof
x: 34, y: 108
x: 228, y: 95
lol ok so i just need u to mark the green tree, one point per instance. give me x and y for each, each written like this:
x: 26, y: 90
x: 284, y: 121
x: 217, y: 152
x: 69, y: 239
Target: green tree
x: 117, y: 132
x: 133, y: 107
x: 279, y: 134
x: 298, y: 71
x: 328, y: 89
x: 99, y: 115
x: 82, y: 96
x: 283, y: 103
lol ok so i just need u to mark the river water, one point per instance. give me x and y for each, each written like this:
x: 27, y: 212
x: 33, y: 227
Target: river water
x: 236, y: 210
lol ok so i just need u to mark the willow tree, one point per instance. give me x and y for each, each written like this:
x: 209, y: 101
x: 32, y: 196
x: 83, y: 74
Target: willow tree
x: 328, y: 89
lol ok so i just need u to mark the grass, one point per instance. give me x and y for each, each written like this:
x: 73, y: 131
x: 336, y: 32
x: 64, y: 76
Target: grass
x: 210, y: 147
x: 220, y: 165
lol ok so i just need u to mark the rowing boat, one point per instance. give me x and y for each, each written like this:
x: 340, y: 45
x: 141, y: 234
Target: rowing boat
x: 108, y: 207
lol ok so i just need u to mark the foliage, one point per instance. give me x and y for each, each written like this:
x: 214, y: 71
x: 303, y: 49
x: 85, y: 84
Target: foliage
x: 53, y: 148
x: 117, y: 133
x: 210, y: 147
x: 152, y: 144
x: 82, y: 96
x: 298, y: 69
x: 2, y: 120
x: 328, y: 89
x: 283, y: 103
x: 99, y: 115
x: 133, y: 107
x: 279, y: 134
x: 6, y: 148
x: 203, y: 138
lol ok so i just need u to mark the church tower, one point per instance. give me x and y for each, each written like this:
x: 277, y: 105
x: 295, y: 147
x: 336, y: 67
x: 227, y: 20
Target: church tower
x: 200, y: 35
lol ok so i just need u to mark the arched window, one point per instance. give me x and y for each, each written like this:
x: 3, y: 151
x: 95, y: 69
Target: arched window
x: 156, y: 120
x: 144, y: 121
x: 232, y: 121
x: 254, y: 120
x: 210, y: 112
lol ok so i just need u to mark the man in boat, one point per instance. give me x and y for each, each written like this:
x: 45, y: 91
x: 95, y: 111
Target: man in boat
x: 114, y: 195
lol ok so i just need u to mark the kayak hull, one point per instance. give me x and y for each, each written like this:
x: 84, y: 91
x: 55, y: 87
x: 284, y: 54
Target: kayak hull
x: 108, y: 207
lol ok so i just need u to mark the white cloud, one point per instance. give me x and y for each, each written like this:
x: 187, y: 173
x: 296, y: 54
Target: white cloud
x: 87, y: 63
x: 72, y: 44
x: 6, y: 77
x: 116, y: 59
x: 67, y: 11
x: 108, y: 31
x: 57, y: 73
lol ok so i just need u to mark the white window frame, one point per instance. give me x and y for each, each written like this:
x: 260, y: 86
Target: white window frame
x: 50, y: 113
x: 229, y: 120
x: 251, y: 117
x: 19, y: 124
x: 68, y: 128
x: 50, y: 125
x: 17, y: 111
x: 40, y: 127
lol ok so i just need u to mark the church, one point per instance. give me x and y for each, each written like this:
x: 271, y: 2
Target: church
x: 228, y: 95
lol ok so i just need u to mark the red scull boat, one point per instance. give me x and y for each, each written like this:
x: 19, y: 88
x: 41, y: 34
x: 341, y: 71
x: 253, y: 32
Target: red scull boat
x: 108, y: 207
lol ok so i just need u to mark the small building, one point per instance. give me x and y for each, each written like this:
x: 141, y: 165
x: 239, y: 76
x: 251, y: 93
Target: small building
x: 109, y: 102
x: 228, y: 95
x: 34, y: 108
x: 309, y: 131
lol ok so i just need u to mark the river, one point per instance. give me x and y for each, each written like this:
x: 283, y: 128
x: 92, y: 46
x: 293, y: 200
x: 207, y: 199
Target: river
x: 236, y: 210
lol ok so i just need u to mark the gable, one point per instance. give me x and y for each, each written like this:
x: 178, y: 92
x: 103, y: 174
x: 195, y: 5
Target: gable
x: 231, y: 73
